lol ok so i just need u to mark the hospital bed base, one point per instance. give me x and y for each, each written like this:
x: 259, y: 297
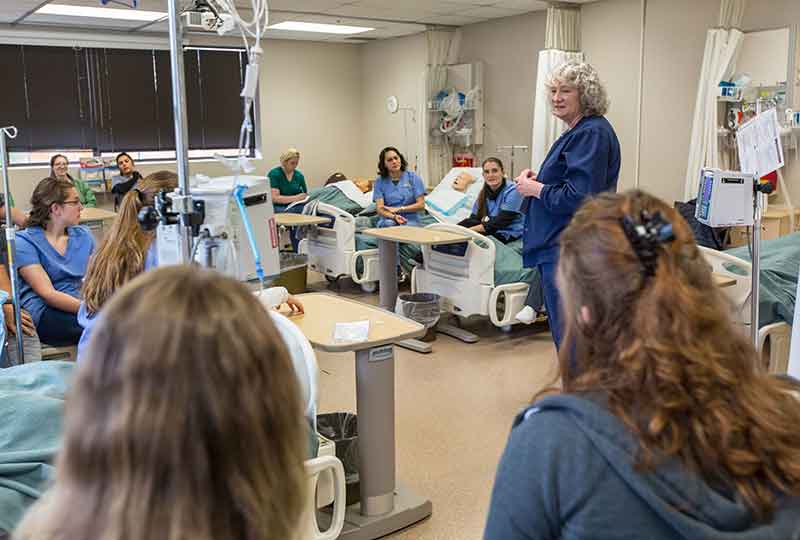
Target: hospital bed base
x: 409, y: 508
x: 442, y: 328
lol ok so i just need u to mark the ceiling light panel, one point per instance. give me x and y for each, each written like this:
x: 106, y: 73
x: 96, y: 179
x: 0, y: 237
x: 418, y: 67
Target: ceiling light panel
x: 100, y: 13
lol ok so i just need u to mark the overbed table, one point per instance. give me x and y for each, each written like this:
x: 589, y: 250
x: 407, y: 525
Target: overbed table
x: 298, y: 220
x: 385, y: 507
x: 95, y: 219
x: 388, y: 240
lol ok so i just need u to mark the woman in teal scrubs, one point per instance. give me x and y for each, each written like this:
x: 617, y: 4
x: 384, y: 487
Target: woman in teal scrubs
x: 399, y: 194
x: 288, y: 184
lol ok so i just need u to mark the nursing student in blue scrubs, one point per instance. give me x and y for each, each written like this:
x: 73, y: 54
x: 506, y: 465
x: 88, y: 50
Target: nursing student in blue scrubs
x: 399, y: 194
x: 583, y: 162
x: 52, y: 256
x: 497, y: 210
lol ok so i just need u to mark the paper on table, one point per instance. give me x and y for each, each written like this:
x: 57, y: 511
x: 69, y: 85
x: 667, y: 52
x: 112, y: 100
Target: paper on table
x: 351, y: 332
x: 759, y: 144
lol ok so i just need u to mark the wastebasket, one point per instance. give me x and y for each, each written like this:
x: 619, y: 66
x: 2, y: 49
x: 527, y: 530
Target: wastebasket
x: 424, y: 308
x: 342, y: 429
x: 294, y: 273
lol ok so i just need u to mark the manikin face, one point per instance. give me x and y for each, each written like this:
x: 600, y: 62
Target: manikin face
x: 125, y: 165
x: 565, y: 102
x: 61, y: 167
x: 463, y: 181
x: 392, y: 161
x: 493, y: 175
x: 291, y: 164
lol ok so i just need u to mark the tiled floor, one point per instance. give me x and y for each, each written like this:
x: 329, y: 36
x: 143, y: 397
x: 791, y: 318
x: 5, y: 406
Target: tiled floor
x: 454, y: 408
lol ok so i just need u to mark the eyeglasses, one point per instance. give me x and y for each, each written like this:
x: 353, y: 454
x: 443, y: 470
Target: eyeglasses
x: 73, y: 202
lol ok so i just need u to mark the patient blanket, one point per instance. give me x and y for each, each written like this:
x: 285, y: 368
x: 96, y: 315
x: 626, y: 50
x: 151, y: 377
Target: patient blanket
x: 780, y: 261
x: 31, y: 416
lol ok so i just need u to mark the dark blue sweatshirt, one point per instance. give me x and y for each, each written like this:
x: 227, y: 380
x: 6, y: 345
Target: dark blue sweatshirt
x: 568, y: 473
x: 583, y: 161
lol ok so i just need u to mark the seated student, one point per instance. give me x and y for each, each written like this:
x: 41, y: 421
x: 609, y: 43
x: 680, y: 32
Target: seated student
x: 665, y: 428
x: 128, y: 250
x: 52, y: 255
x: 184, y: 421
x: 126, y: 179
x: 399, y: 194
x: 497, y: 210
x: 287, y: 182
x: 59, y: 168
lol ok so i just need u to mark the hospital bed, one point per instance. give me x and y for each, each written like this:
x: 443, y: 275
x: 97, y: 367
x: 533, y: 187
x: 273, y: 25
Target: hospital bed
x: 776, y: 298
x: 336, y: 249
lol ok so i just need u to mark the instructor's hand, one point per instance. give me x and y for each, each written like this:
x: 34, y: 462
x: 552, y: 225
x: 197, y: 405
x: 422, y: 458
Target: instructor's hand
x: 527, y: 185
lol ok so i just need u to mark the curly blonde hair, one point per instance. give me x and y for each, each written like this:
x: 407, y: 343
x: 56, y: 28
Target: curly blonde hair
x: 290, y: 153
x: 584, y: 77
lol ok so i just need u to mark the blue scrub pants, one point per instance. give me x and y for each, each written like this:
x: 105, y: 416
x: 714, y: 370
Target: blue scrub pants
x: 552, y: 300
x: 58, y: 328
x: 296, y: 209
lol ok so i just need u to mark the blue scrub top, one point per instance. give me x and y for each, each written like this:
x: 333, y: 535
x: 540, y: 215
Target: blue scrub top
x: 584, y: 161
x: 65, y: 271
x: 87, y: 321
x: 509, y: 200
x: 404, y: 192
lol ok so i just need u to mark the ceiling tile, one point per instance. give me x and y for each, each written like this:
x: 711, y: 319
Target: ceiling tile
x: 522, y: 5
x: 490, y: 12
x: 455, y: 20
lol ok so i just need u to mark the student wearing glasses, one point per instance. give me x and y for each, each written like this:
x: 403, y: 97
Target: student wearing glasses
x: 53, y: 253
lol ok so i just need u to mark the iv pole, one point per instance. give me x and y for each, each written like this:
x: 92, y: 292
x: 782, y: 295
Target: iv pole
x: 11, y: 231
x: 182, y: 200
x: 512, y: 148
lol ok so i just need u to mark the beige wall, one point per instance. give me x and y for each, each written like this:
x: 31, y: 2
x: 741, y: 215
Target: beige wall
x: 675, y: 35
x: 774, y: 14
x: 310, y: 98
x: 604, y: 26
x: 509, y: 48
x: 391, y: 67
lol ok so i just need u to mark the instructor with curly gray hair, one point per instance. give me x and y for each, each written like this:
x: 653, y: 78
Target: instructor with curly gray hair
x: 584, y: 161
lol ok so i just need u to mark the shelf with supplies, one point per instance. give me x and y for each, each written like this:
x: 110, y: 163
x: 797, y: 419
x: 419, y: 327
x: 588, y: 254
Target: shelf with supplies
x: 98, y: 173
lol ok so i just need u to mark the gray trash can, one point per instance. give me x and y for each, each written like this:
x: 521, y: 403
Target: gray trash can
x: 424, y: 308
x: 342, y: 429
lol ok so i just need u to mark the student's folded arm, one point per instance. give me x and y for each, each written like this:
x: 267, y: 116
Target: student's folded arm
x: 40, y: 282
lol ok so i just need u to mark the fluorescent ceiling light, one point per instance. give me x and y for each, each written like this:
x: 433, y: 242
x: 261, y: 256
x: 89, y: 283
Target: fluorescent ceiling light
x: 297, y: 26
x: 100, y: 13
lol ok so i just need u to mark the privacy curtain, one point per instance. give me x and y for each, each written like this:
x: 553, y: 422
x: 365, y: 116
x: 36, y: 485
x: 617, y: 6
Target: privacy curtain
x: 719, y: 63
x: 443, y: 46
x: 562, y: 44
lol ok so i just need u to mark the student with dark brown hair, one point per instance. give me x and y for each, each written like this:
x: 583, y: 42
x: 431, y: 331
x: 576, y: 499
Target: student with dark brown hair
x: 52, y: 255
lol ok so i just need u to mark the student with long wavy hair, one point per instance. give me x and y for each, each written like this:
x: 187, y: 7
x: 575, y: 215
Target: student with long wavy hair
x: 184, y: 421
x: 665, y: 428
x: 52, y: 255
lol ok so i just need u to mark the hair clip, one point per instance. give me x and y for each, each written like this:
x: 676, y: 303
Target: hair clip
x: 647, y: 236
x: 139, y: 194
